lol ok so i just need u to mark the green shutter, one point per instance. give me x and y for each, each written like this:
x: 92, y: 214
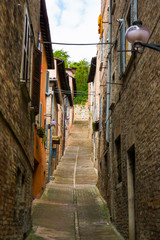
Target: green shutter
x: 122, y: 48
x: 47, y: 82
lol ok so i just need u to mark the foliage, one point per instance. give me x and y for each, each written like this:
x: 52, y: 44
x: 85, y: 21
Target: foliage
x: 81, y: 81
x: 81, y: 76
x: 41, y: 134
x: 61, y: 54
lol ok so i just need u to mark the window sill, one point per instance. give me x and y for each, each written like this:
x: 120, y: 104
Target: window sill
x: 25, y: 91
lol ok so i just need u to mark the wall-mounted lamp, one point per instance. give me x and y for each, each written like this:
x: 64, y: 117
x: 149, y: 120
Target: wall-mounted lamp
x: 138, y: 35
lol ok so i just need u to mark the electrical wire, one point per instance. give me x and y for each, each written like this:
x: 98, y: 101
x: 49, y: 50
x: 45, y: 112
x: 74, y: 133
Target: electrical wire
x: 76, y: 44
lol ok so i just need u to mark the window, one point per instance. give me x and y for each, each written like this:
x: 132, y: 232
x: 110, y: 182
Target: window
x: 40, y: 48
x: 118, y: 158
x: 122, y: 47
x: 113, y: 6
x: 131, y: 17
x: 26, y: 47
x: 47, y: 82
x: 128, y: 45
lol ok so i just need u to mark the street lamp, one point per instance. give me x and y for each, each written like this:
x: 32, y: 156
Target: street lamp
x: 138, y: 35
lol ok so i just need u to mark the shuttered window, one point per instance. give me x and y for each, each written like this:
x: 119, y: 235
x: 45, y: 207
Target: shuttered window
x: 122, y: 47
x: 26, y: 46
x: 36, y: 80
x: 47, y: 82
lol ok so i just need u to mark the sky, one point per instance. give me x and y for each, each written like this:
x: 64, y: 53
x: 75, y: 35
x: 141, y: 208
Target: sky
x: 74, y: 21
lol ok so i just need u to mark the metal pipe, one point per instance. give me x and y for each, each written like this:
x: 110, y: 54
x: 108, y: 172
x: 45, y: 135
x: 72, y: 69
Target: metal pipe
x: 50, y: 146
x: 64, y: 125
x: 109, y: 75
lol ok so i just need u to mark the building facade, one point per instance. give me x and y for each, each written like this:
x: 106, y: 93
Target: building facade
x: 129, y: 167
x: 18, y: 102
x: 41, y: 127
x: 60, y: 110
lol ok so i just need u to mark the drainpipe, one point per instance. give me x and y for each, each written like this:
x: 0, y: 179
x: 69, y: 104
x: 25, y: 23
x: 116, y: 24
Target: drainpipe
x: 108, y: 105
x: 64, y: 129
x: 109, y: 74
x: 50, y: 147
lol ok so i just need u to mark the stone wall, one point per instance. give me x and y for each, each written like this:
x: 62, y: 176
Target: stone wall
x: 81, y: 112
x: 16, y: 127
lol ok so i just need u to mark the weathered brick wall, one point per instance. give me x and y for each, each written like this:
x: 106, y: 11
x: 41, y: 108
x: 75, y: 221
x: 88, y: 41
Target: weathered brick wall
x: 103, y: 169
x: 16, y: 129
x: 136, y: 118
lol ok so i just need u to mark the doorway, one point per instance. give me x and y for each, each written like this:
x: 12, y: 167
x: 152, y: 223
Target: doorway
x: 131, y: 175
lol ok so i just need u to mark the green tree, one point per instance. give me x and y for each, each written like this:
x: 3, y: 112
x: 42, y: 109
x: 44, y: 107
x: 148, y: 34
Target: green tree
x: 62, y: 55
x: 81, y: 75
x: 81, y: 81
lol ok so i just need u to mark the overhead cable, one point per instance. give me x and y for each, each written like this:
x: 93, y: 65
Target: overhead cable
x: 77, y: 44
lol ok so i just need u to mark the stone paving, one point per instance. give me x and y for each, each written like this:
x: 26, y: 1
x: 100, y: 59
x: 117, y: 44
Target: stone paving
x: 71, y: 207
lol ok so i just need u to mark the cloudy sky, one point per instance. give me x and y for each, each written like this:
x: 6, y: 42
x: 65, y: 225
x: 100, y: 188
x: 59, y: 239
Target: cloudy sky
x: 74, y: 21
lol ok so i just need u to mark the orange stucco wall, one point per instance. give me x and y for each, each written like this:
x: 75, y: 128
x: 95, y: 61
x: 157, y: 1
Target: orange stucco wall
x: 39, y: 177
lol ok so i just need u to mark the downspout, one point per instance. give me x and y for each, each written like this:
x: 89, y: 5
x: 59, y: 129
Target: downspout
x: 108, y: 105
x: 64, y: 129
x: 50, y: 147
x: 109, y: 74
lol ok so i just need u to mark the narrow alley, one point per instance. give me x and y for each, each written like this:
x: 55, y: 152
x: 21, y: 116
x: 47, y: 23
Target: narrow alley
x: 71, y: 206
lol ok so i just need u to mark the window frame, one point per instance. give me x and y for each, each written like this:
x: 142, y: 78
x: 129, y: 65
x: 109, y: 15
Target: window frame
x: 118, y: 158
x: 25, y: 65
x: 122, y: 48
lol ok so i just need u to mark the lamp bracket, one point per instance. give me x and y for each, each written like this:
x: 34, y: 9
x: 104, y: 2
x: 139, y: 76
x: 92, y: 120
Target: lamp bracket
x: 148, y: 45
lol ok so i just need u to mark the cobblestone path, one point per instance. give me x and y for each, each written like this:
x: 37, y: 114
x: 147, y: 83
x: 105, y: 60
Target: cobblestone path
x: 71, y: 207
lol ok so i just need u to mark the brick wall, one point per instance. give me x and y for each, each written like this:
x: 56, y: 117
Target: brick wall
x: 16, y: 129
x: 135, y: 118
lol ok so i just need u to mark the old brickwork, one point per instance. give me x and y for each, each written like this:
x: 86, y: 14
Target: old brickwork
x: 134, y: 132
x: 102, y: 66
x: 16, y: 129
